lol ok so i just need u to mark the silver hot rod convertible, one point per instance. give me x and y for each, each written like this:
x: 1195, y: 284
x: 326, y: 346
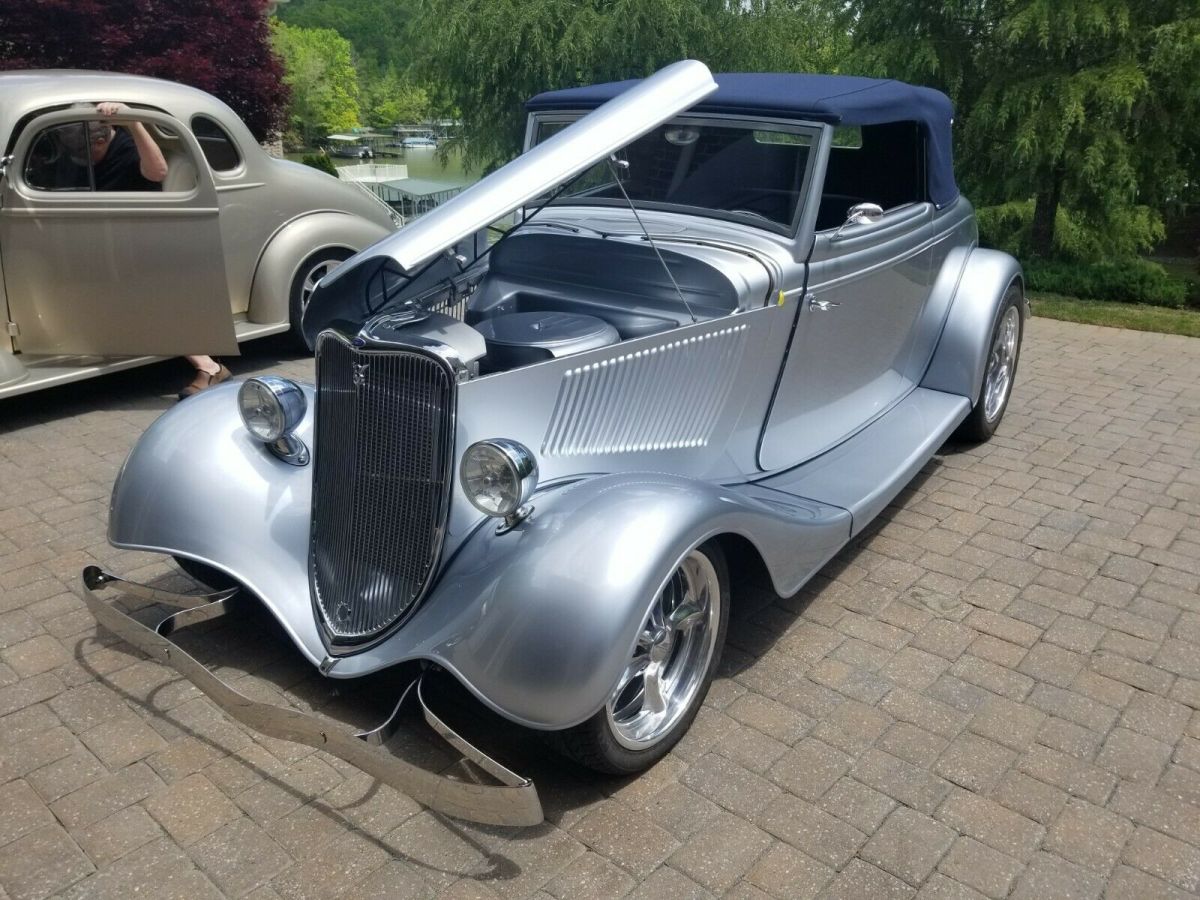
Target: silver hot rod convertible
x: 721, y: 317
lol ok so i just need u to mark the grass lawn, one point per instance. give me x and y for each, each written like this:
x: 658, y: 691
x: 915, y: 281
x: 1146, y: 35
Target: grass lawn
x: 1117, y: 315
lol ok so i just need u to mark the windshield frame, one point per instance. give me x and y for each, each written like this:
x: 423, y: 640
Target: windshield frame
x: 812, y: 130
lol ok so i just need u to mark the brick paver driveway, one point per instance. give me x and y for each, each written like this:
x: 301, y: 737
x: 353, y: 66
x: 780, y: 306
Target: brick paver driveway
x: 994, y: 692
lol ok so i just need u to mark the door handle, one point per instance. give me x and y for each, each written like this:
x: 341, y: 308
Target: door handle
x: 822, y: 305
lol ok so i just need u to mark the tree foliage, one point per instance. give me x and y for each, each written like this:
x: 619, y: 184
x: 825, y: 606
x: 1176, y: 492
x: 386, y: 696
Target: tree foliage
x: 322, y: 79
x: 1089, y: 106
x: 219, y: 46
x: 389, y: 97
x: 487, y: 57
x: 381, y: 31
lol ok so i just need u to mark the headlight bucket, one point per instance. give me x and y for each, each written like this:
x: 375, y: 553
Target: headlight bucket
x: 498, y: 476
x: 271, y: 407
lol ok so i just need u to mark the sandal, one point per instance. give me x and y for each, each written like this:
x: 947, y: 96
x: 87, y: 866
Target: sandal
x: 205, y: 380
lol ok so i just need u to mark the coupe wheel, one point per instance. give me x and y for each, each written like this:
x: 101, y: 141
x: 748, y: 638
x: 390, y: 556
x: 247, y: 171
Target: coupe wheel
x: 310, y: 272
x: 667, y: 676
x: 1001, y: 371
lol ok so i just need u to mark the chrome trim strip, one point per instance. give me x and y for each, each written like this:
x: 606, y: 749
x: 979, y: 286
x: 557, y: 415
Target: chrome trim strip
x: 507, y: 804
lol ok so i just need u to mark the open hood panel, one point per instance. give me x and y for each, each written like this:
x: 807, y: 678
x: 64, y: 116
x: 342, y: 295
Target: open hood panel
x: 593, y: 138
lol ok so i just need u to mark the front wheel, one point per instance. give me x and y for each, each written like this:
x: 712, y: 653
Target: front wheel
x: 1000, y: 373
x: 311, y: 271
x: 667, y: 677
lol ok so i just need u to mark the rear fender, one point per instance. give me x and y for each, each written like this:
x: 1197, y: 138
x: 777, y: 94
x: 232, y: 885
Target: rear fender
x: 960, y: 357
x: 292, y: 245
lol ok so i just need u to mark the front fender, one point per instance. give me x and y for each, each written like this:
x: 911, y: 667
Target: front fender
x: 197, y: 485
x: 538, y: 623
x: 295, y: 242
x: 958, y: 361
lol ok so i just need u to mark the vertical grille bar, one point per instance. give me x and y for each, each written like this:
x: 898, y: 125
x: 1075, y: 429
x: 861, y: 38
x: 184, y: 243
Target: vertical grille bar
x: 384, y: 444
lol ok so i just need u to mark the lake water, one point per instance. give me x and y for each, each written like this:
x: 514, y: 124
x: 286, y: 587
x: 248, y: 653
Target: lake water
x: 422, y: 163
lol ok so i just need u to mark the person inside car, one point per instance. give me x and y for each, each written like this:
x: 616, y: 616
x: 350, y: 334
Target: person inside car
x: 106, y: 157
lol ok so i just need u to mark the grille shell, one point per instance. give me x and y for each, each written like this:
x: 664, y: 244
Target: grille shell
x: 384, y: 439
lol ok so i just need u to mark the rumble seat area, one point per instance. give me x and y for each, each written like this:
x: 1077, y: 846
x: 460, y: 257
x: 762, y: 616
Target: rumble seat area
x: 618, y: 281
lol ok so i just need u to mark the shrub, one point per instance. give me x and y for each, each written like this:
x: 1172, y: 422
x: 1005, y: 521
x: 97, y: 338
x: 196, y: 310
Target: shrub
x: 1126, y: 281
x: 320, y: 161
x: 1124, y: 233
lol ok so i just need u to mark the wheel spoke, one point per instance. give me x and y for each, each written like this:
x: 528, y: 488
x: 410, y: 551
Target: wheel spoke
x: 652, y: 691
x: 671, y: 656
x: 686, y: 616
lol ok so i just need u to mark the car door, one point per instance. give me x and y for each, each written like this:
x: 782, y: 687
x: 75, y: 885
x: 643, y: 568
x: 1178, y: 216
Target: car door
x: 112, y: 273
x: 849, y: 359
x: 852, y: 356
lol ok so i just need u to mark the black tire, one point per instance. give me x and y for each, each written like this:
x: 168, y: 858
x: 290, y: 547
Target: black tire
x: 979, y: 426
x: 205, y: 575
x: 310, y: 270
x: 595, y: 744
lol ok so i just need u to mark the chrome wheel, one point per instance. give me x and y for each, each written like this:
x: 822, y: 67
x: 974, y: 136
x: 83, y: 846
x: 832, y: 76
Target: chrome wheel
x: 671, y: 660
x: 1001, y: 364
x: 314, y: 274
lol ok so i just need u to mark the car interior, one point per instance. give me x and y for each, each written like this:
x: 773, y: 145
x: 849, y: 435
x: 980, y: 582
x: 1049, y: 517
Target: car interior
x: 885, y: 166
x: 56, y: 164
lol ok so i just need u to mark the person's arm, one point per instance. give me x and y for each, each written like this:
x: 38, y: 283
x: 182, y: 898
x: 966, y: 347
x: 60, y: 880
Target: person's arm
x: 150, y: 157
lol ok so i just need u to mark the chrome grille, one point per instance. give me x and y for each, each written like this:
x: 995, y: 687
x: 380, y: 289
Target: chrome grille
x: 384, y: 442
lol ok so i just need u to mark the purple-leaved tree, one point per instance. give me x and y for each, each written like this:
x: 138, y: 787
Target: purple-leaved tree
x: 220, y: 46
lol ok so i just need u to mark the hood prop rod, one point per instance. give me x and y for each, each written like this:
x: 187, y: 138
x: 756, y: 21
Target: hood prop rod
x: 615, y: 164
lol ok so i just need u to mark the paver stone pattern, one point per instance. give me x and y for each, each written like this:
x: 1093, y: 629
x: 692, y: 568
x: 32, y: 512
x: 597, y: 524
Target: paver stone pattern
x: 993, y: 692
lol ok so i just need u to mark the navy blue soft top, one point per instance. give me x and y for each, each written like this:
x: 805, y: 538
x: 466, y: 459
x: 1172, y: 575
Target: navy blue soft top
x: 836, y: 99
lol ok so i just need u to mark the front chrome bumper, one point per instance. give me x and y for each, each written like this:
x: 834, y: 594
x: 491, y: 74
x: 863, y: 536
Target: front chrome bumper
x: 514, y: 801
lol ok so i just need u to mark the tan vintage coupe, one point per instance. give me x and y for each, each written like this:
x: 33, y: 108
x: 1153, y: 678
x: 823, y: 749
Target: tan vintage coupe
x: 229, y: 248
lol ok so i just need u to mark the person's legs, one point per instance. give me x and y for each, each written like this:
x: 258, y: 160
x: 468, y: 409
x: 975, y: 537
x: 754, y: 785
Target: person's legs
x: 208, y: 373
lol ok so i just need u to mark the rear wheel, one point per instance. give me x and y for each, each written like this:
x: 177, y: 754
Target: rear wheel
x: 310, y: 272
x: 1000, y: 373
x: 668, y: 675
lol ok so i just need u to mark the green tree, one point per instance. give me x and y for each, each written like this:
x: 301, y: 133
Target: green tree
x: 390, y: 98
x: 381, y: 31
x: 321, y: 75
x: 1086, y: 108
x: 487, y: 57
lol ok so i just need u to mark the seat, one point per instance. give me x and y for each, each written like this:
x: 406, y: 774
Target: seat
x: 181, y: 173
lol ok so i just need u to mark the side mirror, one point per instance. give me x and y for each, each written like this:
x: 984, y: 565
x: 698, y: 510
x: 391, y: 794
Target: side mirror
x: 860, y: 214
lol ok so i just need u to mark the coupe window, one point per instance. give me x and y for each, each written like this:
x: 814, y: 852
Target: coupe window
x: 85, y: 156
x: 753, y: 172
x: 216, y: 145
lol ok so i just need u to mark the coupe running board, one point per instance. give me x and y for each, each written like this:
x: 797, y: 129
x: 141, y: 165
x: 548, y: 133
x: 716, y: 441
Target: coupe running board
x: 514, y: 801
x: 864, y: 474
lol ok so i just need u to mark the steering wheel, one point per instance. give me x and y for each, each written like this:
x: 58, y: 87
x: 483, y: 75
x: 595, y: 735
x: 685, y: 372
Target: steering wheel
x: 750, y: 212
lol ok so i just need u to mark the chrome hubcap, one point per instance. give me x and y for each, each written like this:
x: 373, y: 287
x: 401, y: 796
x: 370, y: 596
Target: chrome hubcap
x: 673, y: 652
x: 1001, y: 362
x: 315, y: 274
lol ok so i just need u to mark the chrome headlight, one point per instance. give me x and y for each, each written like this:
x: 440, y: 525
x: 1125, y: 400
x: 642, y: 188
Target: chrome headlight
x: 498, y: 476
x: 271, y: 407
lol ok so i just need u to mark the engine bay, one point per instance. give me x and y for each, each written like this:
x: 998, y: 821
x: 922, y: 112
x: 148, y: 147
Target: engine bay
x: 543, y: 295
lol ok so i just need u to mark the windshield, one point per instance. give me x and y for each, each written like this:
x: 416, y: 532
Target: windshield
x: 747, y: 171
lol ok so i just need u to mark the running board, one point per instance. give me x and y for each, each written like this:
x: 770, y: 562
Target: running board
x: 863, y: 474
